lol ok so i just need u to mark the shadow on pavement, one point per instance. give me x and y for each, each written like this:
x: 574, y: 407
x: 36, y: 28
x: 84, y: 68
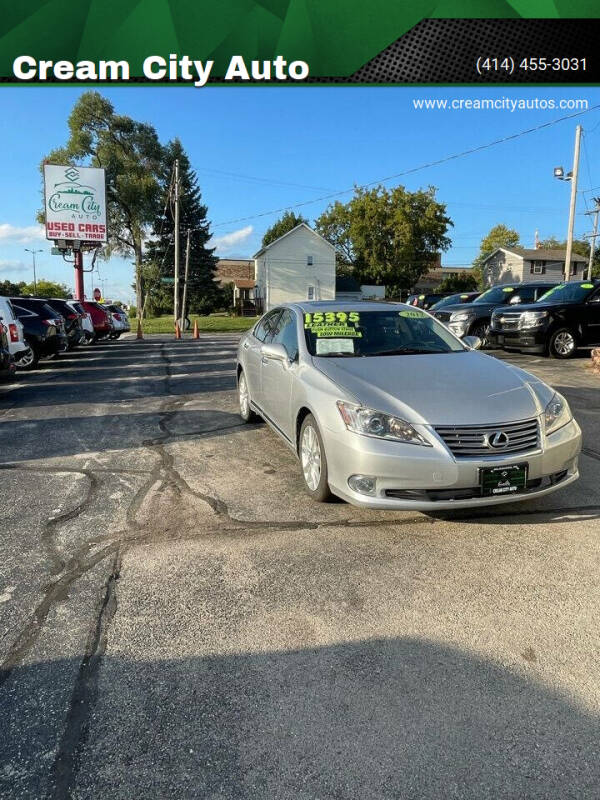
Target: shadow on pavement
x: 382, y: 718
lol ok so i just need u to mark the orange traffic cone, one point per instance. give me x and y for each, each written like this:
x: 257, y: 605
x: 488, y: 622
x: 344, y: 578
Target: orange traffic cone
x: 139, y: 334
x: 177, y: 331
x: 196, y: 334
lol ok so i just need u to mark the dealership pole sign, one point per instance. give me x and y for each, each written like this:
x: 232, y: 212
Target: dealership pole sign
x: 75, y: 204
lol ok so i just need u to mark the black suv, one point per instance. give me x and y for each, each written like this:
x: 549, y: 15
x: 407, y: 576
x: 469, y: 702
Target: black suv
x: 43, y: 328
x: 73, y: 326
x: 473, y: 319
x: 565, y: 318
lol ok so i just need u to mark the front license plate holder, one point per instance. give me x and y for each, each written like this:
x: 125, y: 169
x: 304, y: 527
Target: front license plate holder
x: 507, y: 479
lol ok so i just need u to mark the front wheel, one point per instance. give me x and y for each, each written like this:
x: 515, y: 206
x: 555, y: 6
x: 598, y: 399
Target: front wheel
x: 481, y: 330
x: 246, y: 412
x: 563, y: 343
x: 314, y: 461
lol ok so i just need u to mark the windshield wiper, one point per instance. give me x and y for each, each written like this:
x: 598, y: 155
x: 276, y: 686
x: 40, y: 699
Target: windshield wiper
x: 340, y: 354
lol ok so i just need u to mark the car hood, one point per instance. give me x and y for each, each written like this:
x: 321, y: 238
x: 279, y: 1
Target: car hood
x: 465, y: 388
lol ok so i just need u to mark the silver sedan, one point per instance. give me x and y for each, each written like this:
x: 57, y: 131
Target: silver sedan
x: 386, y: 408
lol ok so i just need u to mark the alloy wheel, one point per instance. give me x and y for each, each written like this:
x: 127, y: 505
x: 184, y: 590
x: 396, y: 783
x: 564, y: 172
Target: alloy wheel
x: 27, y: 358
x: 564, y: 343
x: 244, y: 397
x: 310, y: 453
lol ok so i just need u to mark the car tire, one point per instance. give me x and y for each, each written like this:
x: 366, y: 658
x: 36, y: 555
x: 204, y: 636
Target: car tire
x: 29, y: 360
x: 313, y: 460
x: 481, y: 330
x: 246, y: 412
x: 563, y: 343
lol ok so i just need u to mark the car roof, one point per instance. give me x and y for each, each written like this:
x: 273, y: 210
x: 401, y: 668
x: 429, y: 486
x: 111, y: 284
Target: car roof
x: 341, y: 305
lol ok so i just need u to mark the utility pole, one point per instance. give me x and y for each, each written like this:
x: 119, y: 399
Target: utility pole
x: 185, y: 281
x: 176, y: 233
x: 596, y: 213
x: 573, y: 203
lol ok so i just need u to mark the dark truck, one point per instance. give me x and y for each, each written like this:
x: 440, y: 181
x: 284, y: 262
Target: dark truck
x: 563, y: 319
x: 473, y: 319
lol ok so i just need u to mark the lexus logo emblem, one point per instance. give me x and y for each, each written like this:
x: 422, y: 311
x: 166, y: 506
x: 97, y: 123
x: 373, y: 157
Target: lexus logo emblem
x: 498, y: 440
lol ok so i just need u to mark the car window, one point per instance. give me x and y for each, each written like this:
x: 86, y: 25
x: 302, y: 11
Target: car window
x: 572, y: 292
x: 286, y: 333
x: 526, y: 294
x: 497, y: 294
x: 264, y: 329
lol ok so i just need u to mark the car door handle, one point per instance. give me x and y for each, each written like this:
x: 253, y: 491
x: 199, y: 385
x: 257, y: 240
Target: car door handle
x: 246, y: 345
x: 264, y: 360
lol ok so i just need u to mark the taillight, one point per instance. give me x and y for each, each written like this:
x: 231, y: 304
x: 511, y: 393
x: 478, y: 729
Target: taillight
x: 72, y: 316
x: 14, y: 333
x: 117, y: 317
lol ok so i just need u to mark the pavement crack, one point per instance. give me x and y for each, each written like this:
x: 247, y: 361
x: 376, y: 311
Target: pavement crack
x: 85, y: 692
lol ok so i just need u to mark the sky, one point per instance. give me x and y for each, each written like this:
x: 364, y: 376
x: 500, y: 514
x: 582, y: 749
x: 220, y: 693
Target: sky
x: 263, y: 149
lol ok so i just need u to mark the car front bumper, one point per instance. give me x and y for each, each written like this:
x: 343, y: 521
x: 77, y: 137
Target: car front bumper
x: 431, y: 478
x: 527, y: 341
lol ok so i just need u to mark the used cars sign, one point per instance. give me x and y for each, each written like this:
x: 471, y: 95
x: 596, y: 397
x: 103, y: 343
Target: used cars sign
x: 75, y: 203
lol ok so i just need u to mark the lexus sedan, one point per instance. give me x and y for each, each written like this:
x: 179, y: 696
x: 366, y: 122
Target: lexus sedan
x: 387, y: 408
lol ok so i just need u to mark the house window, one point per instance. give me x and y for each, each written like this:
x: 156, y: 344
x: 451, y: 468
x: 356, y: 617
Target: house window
x: 309, y: 261
x: 573, y: 269
x: 537, y: 268
x: 311, y: 293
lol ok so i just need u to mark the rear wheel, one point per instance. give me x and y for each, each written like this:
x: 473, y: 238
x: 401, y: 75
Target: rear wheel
x: 30, y: 358
x: 563, y: 343
x: 313, y: 461
x: 246, y: 412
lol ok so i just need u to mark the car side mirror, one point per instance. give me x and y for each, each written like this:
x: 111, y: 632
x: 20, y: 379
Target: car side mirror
x: 472, y: 342
x: 514, y: 300
x: 275, y: 351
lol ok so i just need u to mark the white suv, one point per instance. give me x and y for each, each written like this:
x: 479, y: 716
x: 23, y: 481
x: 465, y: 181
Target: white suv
x: 18, y: 347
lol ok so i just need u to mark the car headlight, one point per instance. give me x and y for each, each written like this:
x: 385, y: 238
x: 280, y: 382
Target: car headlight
x: 531, y: 319
x: 369, y: 422
x: 556, y: 414
x: 460, y: 316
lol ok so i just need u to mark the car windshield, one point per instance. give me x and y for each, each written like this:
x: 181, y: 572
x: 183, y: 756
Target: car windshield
x: 348, y: 333
x: 497, y: 294
x: 450, y: 301
x: 572, y: 292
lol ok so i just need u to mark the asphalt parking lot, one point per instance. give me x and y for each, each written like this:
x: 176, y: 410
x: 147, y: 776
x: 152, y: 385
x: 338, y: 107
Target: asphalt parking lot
x: 178, y: 619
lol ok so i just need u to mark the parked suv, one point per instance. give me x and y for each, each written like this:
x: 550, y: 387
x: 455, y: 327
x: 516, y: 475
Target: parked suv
x: 7, y: 365
x: 86, y: 319
x: 73, y: 326
x: 425, y: 300
x: 101, y: 319
x: 563, y: 319
x: 43, y: 328
x: 453, y: 299
x: 120, y: 320
x: 473, y: 319
x: 18, y: 347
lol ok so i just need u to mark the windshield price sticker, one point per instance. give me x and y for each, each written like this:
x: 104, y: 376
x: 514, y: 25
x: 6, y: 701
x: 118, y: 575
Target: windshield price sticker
x: 508, y: 289
x: 333, y: 323
x: 586, y: 285
x: 413, y: 314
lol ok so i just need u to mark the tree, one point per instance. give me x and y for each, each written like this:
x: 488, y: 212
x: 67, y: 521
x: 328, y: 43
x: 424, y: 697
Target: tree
x: 283, y: 225
x: 202, y: 293
x: 9, y: 289
x: 390, y: 237
x: 462, y: 282
x: 45, y: 288
x: 498, y: 236
x: 132, y: 156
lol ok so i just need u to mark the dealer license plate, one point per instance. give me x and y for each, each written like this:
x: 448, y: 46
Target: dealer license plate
x: 509, y: 479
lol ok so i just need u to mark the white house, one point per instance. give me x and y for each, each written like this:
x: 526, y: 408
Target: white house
x: 508, y: 264
x: 300, y: 265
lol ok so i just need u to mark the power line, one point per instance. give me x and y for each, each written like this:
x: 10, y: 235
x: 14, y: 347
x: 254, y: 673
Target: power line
x: 412, y: 170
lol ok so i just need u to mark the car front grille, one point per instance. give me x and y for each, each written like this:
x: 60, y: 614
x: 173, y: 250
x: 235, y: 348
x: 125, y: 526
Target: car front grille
x: 476, y: 440
x: 505, y: 322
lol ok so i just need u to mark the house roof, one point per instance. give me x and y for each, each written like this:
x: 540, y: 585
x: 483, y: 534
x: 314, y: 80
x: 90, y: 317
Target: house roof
x: 243, y: 283
x: 346, y: 283
x: 300, y: 225
x: 538, y: 254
